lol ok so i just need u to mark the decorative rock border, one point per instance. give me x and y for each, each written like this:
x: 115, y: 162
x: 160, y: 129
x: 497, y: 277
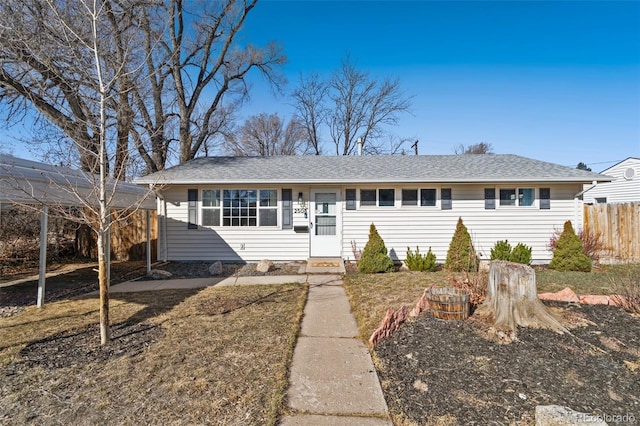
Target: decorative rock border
x: 569, y: 296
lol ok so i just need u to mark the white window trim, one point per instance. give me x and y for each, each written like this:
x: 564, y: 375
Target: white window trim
x: 278, y: 208
x: 534, y: 205
x: 396, y: 200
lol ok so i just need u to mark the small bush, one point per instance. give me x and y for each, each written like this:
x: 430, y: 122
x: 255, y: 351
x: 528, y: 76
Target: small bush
x: 374, y: 258
x: 592, y: 245
x: 521, y: 254
x: 568, y: 254
x: 501, y: 250
x: 418, y: 262
x: 461, y: 255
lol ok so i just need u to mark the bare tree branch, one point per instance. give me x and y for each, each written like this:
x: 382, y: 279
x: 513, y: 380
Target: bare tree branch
x: 267, y: 135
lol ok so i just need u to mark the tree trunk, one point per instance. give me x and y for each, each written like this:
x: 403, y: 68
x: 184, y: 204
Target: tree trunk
x: 512, y: 301
x: 105, y: 334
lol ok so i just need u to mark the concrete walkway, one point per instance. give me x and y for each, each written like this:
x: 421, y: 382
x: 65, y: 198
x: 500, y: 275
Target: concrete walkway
x: 180, y: 283
x: 332, y: 378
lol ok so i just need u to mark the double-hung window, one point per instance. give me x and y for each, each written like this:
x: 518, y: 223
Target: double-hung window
x: 522, y: 197
x: 425, y: 197
x: 428, y: 197
x: 383, y: 197
x: 409, y: 197
x: 210, y: 207
x: 239, y: 207
x: 268, y: 207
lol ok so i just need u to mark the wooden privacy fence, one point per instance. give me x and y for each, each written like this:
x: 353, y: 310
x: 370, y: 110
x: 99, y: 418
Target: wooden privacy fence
x: 617, y: 227
x: 128, y: 238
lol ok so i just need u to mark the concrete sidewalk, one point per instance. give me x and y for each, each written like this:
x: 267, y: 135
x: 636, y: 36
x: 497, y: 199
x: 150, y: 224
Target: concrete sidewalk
x: 332, y: 379
x: 180, y: 283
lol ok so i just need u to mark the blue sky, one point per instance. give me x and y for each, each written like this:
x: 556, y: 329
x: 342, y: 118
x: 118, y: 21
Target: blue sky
x: 556, y: 81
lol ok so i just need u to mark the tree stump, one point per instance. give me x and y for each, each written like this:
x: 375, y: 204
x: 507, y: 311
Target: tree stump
x: 512, y: 301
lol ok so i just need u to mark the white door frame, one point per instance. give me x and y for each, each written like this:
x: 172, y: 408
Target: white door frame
x: 328, y: 245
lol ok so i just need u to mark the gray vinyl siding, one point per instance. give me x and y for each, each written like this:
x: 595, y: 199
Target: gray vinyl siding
x: 400, y: 226
x: 620, y: 190
x: 432, y: 227
x: 229, y: 244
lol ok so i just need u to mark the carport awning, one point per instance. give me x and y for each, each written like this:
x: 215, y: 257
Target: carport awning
x: 30, y: 182
x: 25, y: 181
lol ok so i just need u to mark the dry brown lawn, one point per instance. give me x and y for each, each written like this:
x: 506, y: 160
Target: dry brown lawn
x: 372, y: 294
x: 209, y: 356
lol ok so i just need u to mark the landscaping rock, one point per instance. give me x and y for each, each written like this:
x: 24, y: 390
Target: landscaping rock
x: 421, y: 305
x: 159, y: 274
x: 565, y: 295
x: 264, y: 266
x: 555, y: 415
x: 215, y: 268
x: 391, y: 322
x: 595, y: 299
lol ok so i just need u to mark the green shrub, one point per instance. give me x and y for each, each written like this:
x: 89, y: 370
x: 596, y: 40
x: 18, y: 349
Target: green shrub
x: 501, y: 250
x: 461, y: 255
x: 520, y: 254
x: 419, y: 262
x: 568, y: 254
x: 374, y: 257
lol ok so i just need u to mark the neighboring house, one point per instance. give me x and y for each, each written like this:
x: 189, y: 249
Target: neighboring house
x: 291, y: 208
x: 624, y: 188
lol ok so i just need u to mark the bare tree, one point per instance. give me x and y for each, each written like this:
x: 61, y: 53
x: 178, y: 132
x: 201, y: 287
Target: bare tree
x: 353, y: 105
x: 479, y: 148
x: 73, y: 74
x: 267, y: 135
x: 308, y: 99
x: 180, y: 71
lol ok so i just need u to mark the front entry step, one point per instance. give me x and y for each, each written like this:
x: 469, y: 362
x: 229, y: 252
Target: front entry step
x: 325, y: 265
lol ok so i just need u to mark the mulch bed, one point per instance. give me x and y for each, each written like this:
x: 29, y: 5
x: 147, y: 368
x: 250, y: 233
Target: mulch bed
x: 77, y: 348
x: 432, y: 370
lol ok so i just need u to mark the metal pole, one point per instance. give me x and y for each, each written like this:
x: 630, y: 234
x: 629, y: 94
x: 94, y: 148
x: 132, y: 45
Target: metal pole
x: 148, y: 241
x: 44, y: 216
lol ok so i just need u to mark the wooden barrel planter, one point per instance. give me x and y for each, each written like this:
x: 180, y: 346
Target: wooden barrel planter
x: 449, y: 303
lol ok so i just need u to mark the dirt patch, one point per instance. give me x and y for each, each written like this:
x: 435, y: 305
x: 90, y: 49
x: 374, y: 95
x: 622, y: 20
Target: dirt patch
x: 433, y: 370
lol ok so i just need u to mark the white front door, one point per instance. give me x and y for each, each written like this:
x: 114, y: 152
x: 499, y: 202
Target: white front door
x: 325, y: 223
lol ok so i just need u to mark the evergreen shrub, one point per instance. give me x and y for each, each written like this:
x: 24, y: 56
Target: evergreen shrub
x: 521, y: 253
x: 461, y: 255
x: 501, y: 250
x: 420, y: 262
x: 374, y: 258
x: 568, y: 254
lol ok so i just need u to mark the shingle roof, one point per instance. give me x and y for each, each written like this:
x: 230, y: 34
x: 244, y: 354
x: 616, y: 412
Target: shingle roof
x: 369, y: 169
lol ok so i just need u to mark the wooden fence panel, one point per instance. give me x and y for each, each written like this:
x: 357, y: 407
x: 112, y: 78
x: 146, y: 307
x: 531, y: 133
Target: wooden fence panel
x: 128, y: 238
x: 617, y: 226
